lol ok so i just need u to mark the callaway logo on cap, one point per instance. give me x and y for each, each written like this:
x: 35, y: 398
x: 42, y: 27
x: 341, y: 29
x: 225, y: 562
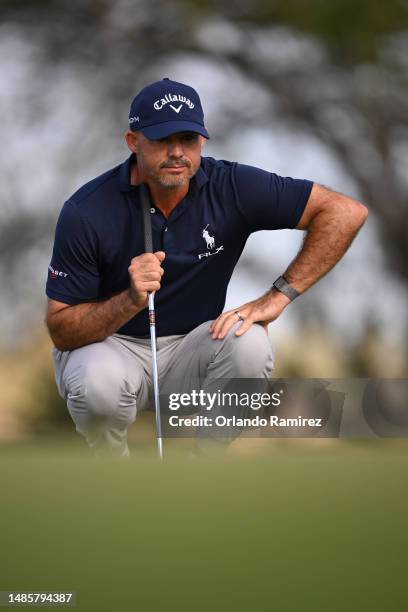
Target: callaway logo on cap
x: 166, y: 107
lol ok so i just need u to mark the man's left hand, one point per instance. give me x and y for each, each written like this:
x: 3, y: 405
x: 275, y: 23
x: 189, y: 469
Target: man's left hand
x: 263, y: 311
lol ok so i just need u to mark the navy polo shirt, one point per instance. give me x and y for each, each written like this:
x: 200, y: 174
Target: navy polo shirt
x: 100, y: 229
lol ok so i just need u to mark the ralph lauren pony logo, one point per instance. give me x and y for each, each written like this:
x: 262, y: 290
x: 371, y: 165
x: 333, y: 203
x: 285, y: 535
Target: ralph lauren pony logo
x: 210, y: 244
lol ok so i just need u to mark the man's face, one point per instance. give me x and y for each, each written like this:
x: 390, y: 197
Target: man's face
x: 170, y: 162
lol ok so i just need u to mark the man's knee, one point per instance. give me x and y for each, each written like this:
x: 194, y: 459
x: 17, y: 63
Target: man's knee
x: 250, y: 354
x: 99, y: 387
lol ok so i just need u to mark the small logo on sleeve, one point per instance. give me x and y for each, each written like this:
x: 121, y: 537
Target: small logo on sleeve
x: 56, y: 273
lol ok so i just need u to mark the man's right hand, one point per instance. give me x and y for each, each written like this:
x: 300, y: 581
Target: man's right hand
x: 145, y: 273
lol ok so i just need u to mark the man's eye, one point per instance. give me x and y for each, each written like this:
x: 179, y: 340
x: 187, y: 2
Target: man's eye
x: 190, y: 138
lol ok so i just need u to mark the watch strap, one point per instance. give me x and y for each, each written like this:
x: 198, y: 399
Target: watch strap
x: 284, y: 287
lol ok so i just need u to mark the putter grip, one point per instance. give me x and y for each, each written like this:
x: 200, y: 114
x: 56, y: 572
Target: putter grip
x: 147, y: 224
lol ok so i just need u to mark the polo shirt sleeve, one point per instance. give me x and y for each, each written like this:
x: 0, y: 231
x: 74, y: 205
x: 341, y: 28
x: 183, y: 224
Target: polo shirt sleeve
x: 269, y: 201
x: 73, y: 275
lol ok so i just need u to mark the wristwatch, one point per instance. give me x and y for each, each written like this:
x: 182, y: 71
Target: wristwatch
x: 284, y: 287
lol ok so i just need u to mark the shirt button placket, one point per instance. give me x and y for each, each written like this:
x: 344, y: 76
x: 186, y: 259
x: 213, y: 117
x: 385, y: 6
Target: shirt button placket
x: 163, y: 232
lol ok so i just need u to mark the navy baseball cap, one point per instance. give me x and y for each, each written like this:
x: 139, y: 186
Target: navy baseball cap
x: 166, y: 107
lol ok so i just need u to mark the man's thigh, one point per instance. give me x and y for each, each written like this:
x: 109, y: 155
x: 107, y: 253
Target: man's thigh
x: 189, y: 358
x: 198, y: 358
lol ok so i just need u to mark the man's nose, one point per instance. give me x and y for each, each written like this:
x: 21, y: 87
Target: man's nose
x: 175, y: 149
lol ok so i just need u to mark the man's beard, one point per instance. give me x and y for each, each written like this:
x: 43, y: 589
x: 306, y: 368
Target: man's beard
x: 172, y: 181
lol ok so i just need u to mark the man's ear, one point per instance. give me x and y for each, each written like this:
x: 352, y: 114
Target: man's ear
x: 132, y: 141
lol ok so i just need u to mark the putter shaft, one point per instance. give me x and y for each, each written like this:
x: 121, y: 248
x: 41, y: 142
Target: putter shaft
x: 155, y: 374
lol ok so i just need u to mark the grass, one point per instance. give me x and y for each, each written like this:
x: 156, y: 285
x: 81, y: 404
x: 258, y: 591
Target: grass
x: 299, y: 527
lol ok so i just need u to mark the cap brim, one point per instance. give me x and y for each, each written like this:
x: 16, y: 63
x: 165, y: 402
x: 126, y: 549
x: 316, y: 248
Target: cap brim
x: 162, y: 130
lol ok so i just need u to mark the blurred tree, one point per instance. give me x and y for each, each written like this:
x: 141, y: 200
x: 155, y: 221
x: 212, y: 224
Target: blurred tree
x: 355, y: 102
x: 347, y: 85
x: 337, y: 70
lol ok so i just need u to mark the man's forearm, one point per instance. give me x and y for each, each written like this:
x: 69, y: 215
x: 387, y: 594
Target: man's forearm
x: 328, y: 237
x: 82, y: 324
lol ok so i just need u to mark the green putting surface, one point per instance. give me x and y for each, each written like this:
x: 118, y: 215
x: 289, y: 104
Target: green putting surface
x: 301, y: 526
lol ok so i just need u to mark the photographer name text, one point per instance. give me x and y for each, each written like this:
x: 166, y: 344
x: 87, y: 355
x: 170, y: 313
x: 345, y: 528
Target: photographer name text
x: 233, y: 421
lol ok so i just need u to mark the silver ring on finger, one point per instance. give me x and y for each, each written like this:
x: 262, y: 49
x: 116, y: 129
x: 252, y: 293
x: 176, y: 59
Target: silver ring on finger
x: 240, y: 317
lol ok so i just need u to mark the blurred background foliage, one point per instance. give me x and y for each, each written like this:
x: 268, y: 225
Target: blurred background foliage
x: 315, y: 89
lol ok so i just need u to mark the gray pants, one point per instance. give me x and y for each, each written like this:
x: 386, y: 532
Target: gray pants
x: 106, y: 383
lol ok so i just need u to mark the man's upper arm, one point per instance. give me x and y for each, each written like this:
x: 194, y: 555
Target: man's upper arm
x: 73, y: 274
x: 268, y: 201
x: 53, y: 307
x: 322, y: 199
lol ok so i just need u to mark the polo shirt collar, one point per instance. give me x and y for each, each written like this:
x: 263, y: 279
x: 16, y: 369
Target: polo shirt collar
x: 124, y: 175
x: 199, y: 179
